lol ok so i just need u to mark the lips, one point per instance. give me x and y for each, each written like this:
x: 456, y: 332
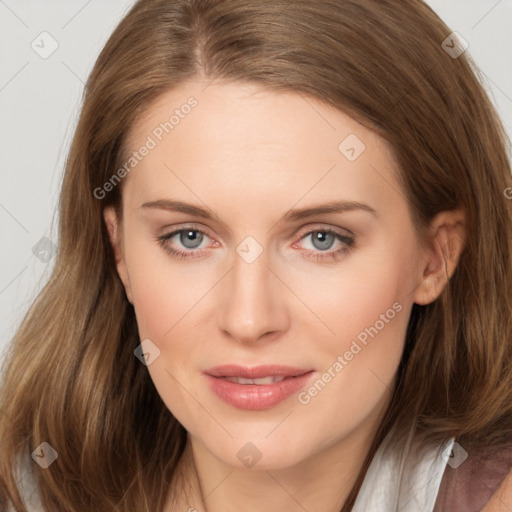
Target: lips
x: 256, y: 372
x: 256, y: 388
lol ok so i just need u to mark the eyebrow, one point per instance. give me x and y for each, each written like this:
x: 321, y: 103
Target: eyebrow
x: 289, y: 216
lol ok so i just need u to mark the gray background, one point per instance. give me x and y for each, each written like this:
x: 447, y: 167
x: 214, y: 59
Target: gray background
x: 40, y: 99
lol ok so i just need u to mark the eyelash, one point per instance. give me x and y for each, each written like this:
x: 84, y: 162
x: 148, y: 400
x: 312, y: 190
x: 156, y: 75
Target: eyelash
x: 318, y: 255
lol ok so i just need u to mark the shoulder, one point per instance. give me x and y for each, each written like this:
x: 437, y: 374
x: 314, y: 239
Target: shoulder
x: 501, y: 500
x: 479, y: 481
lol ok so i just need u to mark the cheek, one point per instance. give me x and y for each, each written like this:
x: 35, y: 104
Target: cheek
x: 163, y: 291
x: 355, y: 296
x: 364, y: 307
x: 359, y: 366
x: 164, y: 300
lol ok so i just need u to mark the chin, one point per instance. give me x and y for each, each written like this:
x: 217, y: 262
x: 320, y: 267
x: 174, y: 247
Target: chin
x: 259, y: 454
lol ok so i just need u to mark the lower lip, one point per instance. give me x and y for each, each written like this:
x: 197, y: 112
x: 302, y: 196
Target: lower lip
x: 254, y: 397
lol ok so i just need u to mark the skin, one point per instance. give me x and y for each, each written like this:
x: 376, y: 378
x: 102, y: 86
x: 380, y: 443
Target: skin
x: 251, y: 155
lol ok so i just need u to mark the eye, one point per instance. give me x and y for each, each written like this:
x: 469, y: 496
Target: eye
x: 323, y: 239
x: 190, y: 238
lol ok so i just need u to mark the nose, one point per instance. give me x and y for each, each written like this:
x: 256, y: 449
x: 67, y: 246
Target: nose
x: 253, y: 303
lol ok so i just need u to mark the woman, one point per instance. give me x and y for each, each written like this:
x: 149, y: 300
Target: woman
x: 284, y: 272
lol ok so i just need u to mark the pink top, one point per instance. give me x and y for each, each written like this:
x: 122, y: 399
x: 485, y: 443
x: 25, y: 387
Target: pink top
x: 471, y: 485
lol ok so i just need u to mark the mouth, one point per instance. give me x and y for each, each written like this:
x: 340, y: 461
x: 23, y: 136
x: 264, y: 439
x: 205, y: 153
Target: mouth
x: 256, y: 388
x: 256, y: 373
x: 258, y: 382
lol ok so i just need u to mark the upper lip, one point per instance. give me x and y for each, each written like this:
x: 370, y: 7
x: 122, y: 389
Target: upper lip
x: 255, y: 372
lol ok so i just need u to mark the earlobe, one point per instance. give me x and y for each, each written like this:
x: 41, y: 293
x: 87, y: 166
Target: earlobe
x: 113, y: 228
x: 445, y: 248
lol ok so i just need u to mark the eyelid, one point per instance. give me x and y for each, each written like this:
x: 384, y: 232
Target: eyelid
x: 343, y: 239
x: 297, y: 235
x: 319, y: 226
x: 182, y: 227
x: 348, y: 242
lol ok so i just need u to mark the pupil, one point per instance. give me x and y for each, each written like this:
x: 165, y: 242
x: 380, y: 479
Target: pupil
x: 321, y: 237
x: 191, y: 236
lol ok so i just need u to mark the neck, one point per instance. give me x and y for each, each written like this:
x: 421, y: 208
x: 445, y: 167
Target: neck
x: 323, y: 481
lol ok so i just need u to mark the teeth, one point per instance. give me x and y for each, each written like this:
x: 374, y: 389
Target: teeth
x: 263, y: 380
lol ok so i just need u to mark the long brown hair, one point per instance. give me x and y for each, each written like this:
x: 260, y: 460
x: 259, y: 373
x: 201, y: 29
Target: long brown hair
x: 71, y: 377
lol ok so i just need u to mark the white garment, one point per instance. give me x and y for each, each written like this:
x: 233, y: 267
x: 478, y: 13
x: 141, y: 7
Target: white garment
x: 27, y: 487
x: 413, y: 488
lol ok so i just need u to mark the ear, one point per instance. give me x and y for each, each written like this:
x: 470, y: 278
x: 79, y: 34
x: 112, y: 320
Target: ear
x: 109, y: 214
x: 446, y: 243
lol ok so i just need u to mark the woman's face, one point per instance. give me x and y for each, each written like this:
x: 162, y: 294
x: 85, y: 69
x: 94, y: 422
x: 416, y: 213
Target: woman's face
x: 265, y: 280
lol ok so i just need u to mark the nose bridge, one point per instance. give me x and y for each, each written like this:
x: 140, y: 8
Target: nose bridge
x: 252, y: 305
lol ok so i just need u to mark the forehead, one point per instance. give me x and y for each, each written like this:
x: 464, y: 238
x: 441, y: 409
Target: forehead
x: 239, y: 142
